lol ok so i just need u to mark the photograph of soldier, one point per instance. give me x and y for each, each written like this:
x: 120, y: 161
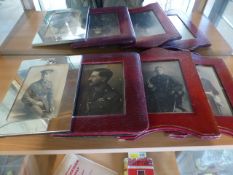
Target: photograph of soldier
x: 214, y: 91
x: 40, y: 94
x: 146, y: 24
x: 101, y: 91
x: 103, y: 25
x: 164, y: 87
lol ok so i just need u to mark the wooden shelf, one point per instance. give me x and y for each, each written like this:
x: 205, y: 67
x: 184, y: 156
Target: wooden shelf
x: 155, y: 142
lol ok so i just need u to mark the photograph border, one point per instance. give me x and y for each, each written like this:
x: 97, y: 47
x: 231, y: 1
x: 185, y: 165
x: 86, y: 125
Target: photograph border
x: 225, y: 123
x: 198, y: 41
x: 192, y: 123
x: 135, y: 118
x: 126, y: 36
x: 170, y: 34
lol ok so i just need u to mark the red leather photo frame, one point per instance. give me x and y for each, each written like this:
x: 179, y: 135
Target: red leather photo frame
x: 225, y: 116
x: 152, y: 27
x: 108, y: 26
x: 133, y: 119
x: 200, y: 121
x: 192, y: 37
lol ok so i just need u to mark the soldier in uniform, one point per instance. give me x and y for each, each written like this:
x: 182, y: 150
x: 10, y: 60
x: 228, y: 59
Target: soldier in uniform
x: 99, y: 98
x: 38, y: 98
x: 213, y: 95
x: 163, y: 93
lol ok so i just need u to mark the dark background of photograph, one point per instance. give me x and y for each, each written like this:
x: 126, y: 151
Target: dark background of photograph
x: 146, y: 20
x: 106, y: 24
x: 171, y: 68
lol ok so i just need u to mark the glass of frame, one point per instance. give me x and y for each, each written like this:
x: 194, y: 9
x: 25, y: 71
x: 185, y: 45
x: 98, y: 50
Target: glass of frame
x: 152, y: 27
x: 62, y: 26
x: 181, y: 27
x: 110, y: 82
x: 43, y: 96
x: 217, y: 83
x: 108, y: 26
x: 189, y: 110
x: 192, y: 37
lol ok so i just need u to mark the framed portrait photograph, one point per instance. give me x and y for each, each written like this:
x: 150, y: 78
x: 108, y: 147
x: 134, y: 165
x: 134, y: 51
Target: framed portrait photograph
x: 174, y: 94
x: 62, y: 26
x: 108, y: 26
x: 44, y: 100
x: 110, y: 98
x: 36, y: 96
x: 192, y: 37
x: 217, y: 83
x: 98, y: 97
x: 151, y: 26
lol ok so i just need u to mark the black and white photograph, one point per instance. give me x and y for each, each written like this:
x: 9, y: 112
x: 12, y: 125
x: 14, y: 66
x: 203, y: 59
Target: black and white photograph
x: 150, y: 26
x: 40, y: 94
x: 65, y: 25
x: 214, y: 91
x: 101, y: 90
x: 165, y: 88
x: 103, y: 25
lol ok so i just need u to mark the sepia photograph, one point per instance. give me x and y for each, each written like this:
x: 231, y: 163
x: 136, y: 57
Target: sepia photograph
x: 165, y: 88
x: 146, y: 24
x: 103, y: 25
x: 214, y: 91
x: 40, y: 94
x: 101, y: 90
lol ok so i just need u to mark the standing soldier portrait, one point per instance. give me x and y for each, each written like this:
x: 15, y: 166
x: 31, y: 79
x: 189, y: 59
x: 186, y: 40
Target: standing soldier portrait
x: 163, y: 92
x: 38, y: 97
x: 97, y: 97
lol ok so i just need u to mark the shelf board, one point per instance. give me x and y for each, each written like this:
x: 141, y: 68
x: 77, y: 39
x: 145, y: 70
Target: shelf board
x: 156, y: 142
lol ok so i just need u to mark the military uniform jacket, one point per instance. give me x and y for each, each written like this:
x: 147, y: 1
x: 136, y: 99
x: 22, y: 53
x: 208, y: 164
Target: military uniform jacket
x: 103, y: 101
x: 165, y: 95
x: 39, y: 91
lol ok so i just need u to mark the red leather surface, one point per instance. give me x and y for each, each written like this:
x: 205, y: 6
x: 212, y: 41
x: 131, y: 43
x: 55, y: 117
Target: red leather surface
x: 135, y: 118
x: 199, y: 41
x: 200, y: 122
